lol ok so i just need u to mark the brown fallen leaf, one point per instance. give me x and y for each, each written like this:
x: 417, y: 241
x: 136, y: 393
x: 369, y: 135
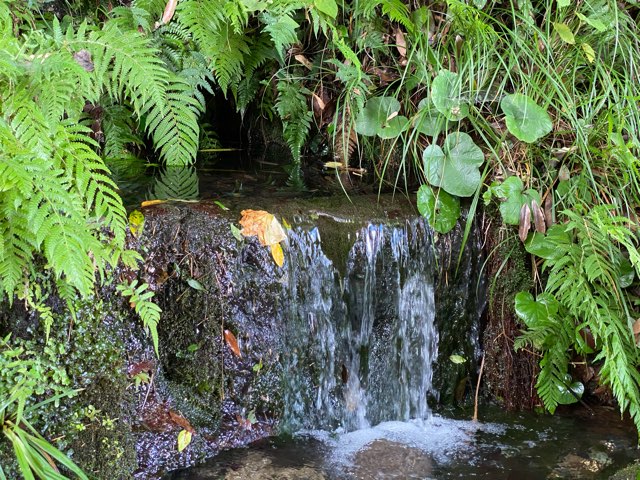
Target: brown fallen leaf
x: 304, y: 61
x: 401, y: 43
x: 525, y: 222
x: 180, y: 421
x: 243, y: 422
x: 232, y: 343
x: 262, y: 224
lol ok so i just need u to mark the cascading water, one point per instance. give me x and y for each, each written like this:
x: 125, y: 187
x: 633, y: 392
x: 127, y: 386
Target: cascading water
x: 368, y: 336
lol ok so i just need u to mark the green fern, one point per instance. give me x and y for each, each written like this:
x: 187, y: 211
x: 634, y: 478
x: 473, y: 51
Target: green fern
x: 140, y: 297
x: 584, y: 260
x: 177, y: 183
x: 293, y: 108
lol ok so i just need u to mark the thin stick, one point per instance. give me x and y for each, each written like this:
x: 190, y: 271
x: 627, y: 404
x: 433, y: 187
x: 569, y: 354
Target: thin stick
x: 475, y: 404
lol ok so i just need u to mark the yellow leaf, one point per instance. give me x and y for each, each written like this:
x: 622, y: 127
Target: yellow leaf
x: 277, y: 254
x: 588, y: 52
x: 286, y: 224
x: 136, y: 222
x: 262, y: 224
x: 148, y: 203
x: 184, y: 439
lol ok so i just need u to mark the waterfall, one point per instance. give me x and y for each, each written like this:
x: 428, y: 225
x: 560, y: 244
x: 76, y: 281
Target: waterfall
x: 360, y: 346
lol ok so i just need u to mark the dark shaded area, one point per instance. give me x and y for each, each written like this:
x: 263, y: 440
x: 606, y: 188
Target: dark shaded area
x: 509, y: 376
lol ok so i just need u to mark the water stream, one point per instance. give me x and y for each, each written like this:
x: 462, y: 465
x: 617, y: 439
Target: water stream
x: 369, y: 335
x: 360, y: 348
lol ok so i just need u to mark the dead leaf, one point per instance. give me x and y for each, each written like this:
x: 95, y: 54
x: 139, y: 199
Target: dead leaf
x: 169, y: 10
x: 180, y: 421
x: 304, y: 61
x: 548, y: 210
x: 525, y: 222
x: 318, y: 104
x: 401, y: 43
x: 232, y: 343
x: 243, y: 422
x: 148, y: 203
x: 277, y: 254
x: 138, y: 367
x: 538, y: 217
x: 262, y: 224
x: 83, y: 57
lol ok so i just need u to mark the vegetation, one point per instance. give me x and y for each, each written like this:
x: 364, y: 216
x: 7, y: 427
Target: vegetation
x: 532, y: 104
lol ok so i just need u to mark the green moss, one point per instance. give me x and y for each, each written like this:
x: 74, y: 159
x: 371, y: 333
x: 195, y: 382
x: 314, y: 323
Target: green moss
x: 92, y: 426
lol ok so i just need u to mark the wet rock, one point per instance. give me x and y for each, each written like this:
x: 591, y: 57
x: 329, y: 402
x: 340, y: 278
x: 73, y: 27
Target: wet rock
x: 578, y: 466
x: 385, y: 459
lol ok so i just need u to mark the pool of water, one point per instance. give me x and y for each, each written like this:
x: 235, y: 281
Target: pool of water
x: 582, y: 445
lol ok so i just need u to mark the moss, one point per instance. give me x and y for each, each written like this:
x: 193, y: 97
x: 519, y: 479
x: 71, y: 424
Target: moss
x: 84, y: 353
x: 509, y: 376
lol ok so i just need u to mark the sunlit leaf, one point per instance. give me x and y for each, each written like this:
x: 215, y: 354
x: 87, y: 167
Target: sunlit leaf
x: 328, y: 7
x: 277, y: 254
x: 184, y: 439
x: 441, y: 210
x: 136, y: 223
x: 232, y: 343
x: 262, y: 224
x: 535, y: 312
x: 457, y: 359
x: 565, y: 33
x: 221, y: 205
x: 525, y: 119
x: 149, y: 203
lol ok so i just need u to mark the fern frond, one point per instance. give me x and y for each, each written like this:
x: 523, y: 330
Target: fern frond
x: 125, y: 66
x: 292, y: 107
x: 140, y: 297
x: 177, y: 183
x: 176, y: 133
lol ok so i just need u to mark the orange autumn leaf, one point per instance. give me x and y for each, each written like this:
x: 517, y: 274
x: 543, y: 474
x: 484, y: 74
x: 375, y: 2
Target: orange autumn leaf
x: 180, y: 421
x: 277, y: 254
x: 232, y: 343
x: 262, y: 224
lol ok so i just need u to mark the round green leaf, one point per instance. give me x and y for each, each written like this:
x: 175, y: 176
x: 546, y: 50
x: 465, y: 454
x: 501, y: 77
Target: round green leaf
x: 455, y: 167
x: 570, y: 392
x: 393, y: 127
x: 513, y: 196
x: 447, y: 97
x: 428, y: 120
x: 535, y: 312
x: 376, y: 115
x: 525, y: 120
x: 441, y: 210
x: 328, y: 7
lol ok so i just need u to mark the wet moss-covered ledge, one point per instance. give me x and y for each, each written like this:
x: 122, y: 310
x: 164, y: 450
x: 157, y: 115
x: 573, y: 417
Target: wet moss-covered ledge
x: 192, y: 262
